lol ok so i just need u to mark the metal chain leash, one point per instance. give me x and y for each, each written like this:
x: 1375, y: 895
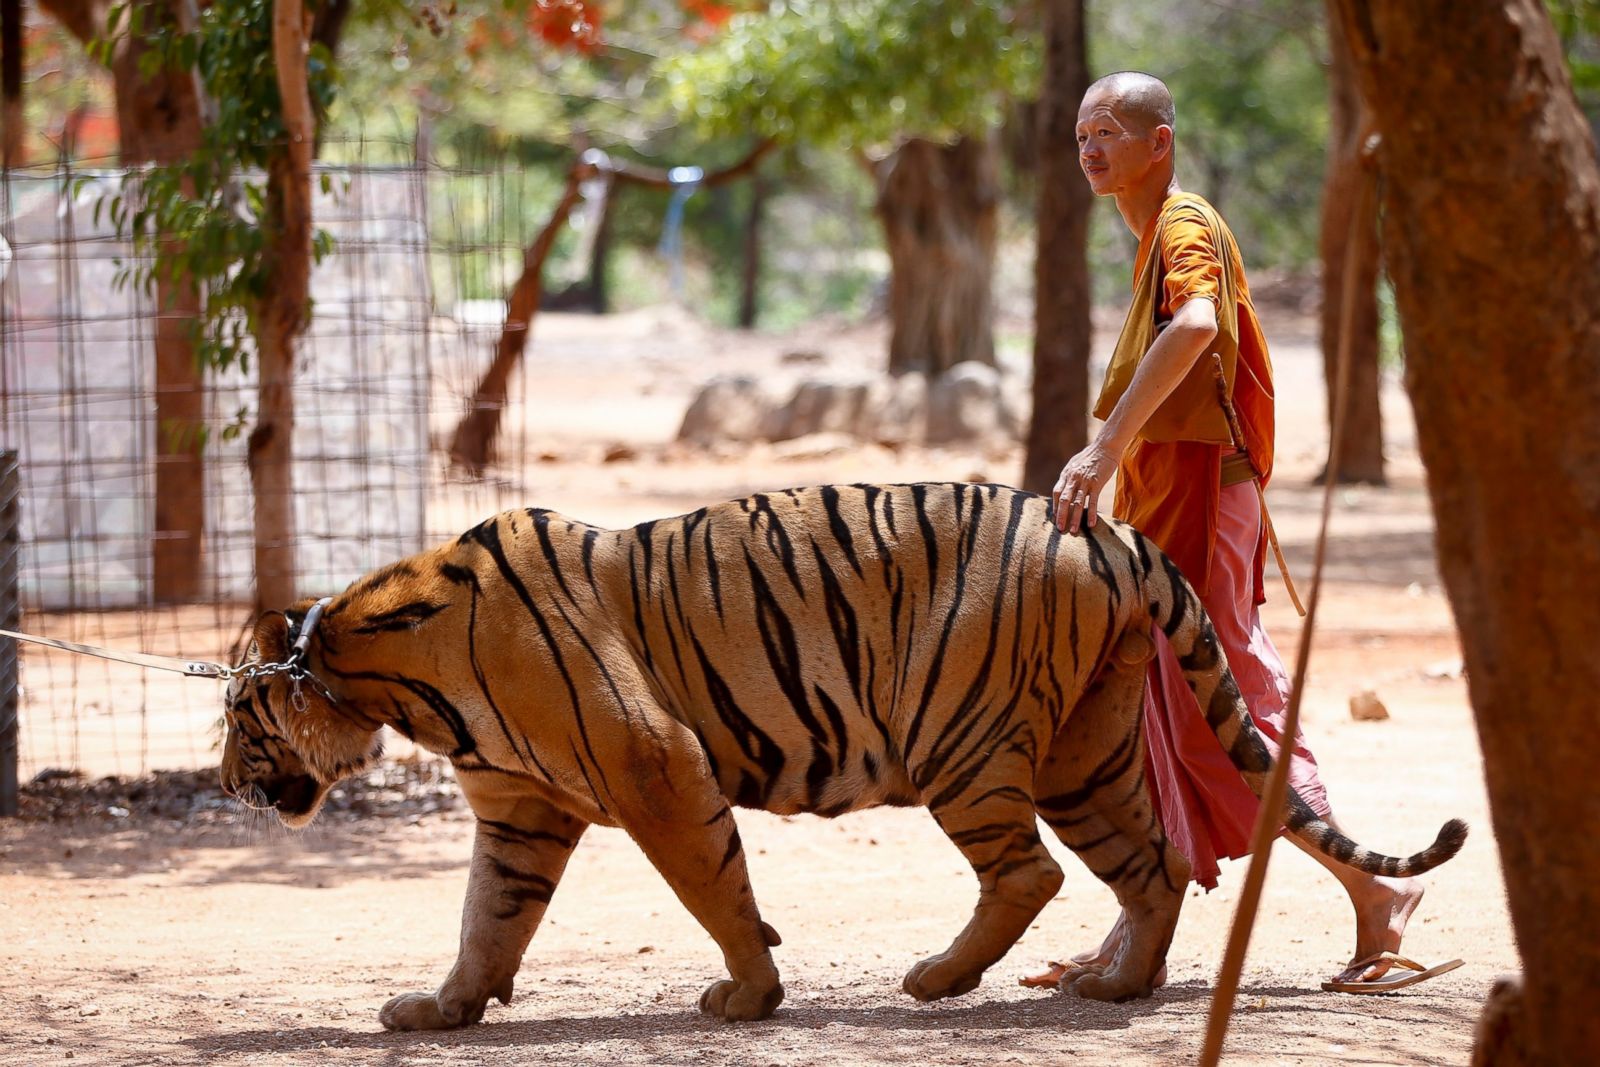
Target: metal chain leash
x: 294, y: 665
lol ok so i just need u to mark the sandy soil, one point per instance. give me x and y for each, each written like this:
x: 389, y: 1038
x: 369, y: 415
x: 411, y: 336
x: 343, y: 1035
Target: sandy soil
x: 184, y: 932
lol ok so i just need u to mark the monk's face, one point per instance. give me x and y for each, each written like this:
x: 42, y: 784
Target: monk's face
x: 1116, y: 154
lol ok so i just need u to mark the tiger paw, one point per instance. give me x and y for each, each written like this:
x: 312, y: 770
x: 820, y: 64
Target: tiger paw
x: 1091, y: 985
x: 938, y: 977
x: 431, y: 1011
x: 740, y: 1001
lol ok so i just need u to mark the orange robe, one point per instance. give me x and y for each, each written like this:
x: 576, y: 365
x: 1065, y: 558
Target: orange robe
x: 1171, y: 490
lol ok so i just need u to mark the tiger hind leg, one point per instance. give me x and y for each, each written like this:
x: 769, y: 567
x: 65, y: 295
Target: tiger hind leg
x: 1093, y: 796
x: 990, y: 818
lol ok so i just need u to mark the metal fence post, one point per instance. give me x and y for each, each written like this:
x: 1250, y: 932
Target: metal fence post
x: 10, y: 618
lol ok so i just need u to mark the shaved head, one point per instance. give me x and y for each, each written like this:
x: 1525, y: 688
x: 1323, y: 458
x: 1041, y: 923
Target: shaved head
x: 1142, y: 100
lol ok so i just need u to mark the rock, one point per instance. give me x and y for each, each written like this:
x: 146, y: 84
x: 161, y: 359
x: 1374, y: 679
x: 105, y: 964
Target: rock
x: 1444, y: 669
x: 1366, y: 707
x: 965, y: 405
x: 821, y: 406
x: 619, y: 452
x: 899, y: 414
x: 727, y: 409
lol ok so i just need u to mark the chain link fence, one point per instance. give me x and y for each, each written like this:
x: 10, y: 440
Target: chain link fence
x: 406, y: 312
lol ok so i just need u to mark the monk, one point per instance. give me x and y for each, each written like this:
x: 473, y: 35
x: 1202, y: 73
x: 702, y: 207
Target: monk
x: 1184, y: 480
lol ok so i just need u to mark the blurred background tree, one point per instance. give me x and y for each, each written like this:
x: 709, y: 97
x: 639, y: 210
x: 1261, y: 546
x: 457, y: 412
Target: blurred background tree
x: 914, y: 90
x: 893, y: 107
x: 1577, y: 24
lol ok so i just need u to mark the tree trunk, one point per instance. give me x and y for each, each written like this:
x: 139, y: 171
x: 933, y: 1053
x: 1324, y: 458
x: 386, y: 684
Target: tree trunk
x: 1060, y: 423
x: 11, y: 83
x: 600, y: 254
x: 1492, y: 234
x: 282, y: 317
x: 1361, y: 449
x: 939, y: 209
x: 472, y: 445
x: 750, y: 277
x: 158, y: 118
x: 589, y: 293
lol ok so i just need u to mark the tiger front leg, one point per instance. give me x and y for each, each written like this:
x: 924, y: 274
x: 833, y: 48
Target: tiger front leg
x: 517, y: 859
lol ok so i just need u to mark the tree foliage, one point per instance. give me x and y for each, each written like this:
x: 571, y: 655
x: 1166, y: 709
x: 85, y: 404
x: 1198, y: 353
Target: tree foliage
x: 511, y: 73
x: 1577, y: 22
x: 854, y: 73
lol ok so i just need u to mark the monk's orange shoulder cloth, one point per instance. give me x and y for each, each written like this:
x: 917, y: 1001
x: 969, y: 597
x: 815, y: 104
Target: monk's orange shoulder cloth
x: 1191, y: 412
x: 1169, y: 481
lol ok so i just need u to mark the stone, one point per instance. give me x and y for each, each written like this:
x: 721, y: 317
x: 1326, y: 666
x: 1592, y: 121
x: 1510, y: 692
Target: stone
x: 964, y: 405
x: 899, y: 409
x: 727, y: 409
x: 821, y: 406
x: 1366, y: 707
x: 815, y: 446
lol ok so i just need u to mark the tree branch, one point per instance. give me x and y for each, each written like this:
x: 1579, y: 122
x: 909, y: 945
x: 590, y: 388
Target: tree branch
x: 472, y: 444
x: 632, y: 173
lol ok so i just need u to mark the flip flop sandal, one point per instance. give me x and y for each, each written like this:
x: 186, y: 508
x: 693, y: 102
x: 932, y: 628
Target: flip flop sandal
x: 1403, y: 972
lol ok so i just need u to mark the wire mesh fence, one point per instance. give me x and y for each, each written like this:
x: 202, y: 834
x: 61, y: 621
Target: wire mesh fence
x: 406, y: 311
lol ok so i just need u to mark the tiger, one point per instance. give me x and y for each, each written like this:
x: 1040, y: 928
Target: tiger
x: 817, y: 650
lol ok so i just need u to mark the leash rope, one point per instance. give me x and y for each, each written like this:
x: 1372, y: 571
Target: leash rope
x: 1269, y: 818
x: 294, y: 665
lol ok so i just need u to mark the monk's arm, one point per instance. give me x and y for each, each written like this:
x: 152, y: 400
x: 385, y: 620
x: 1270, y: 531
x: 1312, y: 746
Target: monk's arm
x: 1077, y: 491
x: 1193, y: 327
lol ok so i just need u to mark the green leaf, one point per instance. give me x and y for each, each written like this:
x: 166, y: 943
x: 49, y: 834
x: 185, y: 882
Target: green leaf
x: 820, y: 71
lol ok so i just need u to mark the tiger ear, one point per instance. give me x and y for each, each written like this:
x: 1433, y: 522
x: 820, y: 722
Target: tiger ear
x: 272, y: 637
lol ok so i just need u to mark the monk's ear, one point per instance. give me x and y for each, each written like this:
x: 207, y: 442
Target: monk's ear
x: 1163, y: 136
x: 271, y: 640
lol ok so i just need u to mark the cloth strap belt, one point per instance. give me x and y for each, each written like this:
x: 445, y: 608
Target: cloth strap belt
x: 1236, y: 469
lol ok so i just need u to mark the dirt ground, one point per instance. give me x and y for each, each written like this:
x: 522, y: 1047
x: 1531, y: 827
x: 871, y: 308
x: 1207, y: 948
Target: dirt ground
x: 157, y: 924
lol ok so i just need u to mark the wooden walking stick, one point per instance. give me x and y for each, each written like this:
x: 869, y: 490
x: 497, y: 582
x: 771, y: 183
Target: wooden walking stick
x: 1270, y: 816
x: 1236, y: 432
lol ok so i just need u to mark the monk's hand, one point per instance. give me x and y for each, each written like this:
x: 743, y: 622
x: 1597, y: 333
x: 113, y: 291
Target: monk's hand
x: 1075, y: 501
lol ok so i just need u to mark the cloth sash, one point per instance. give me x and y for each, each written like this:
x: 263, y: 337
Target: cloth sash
x: 1191, y: 412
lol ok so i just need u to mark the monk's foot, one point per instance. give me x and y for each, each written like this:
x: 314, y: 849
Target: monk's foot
x: 1383, y: 907
x: 1047, y: 979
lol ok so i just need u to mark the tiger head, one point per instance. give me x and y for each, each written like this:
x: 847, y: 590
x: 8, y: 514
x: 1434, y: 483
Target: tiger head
x: 289, y: 740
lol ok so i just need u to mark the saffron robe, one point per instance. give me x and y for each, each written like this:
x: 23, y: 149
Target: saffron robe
x: 1169, y: 485
x: 1169, y: 480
